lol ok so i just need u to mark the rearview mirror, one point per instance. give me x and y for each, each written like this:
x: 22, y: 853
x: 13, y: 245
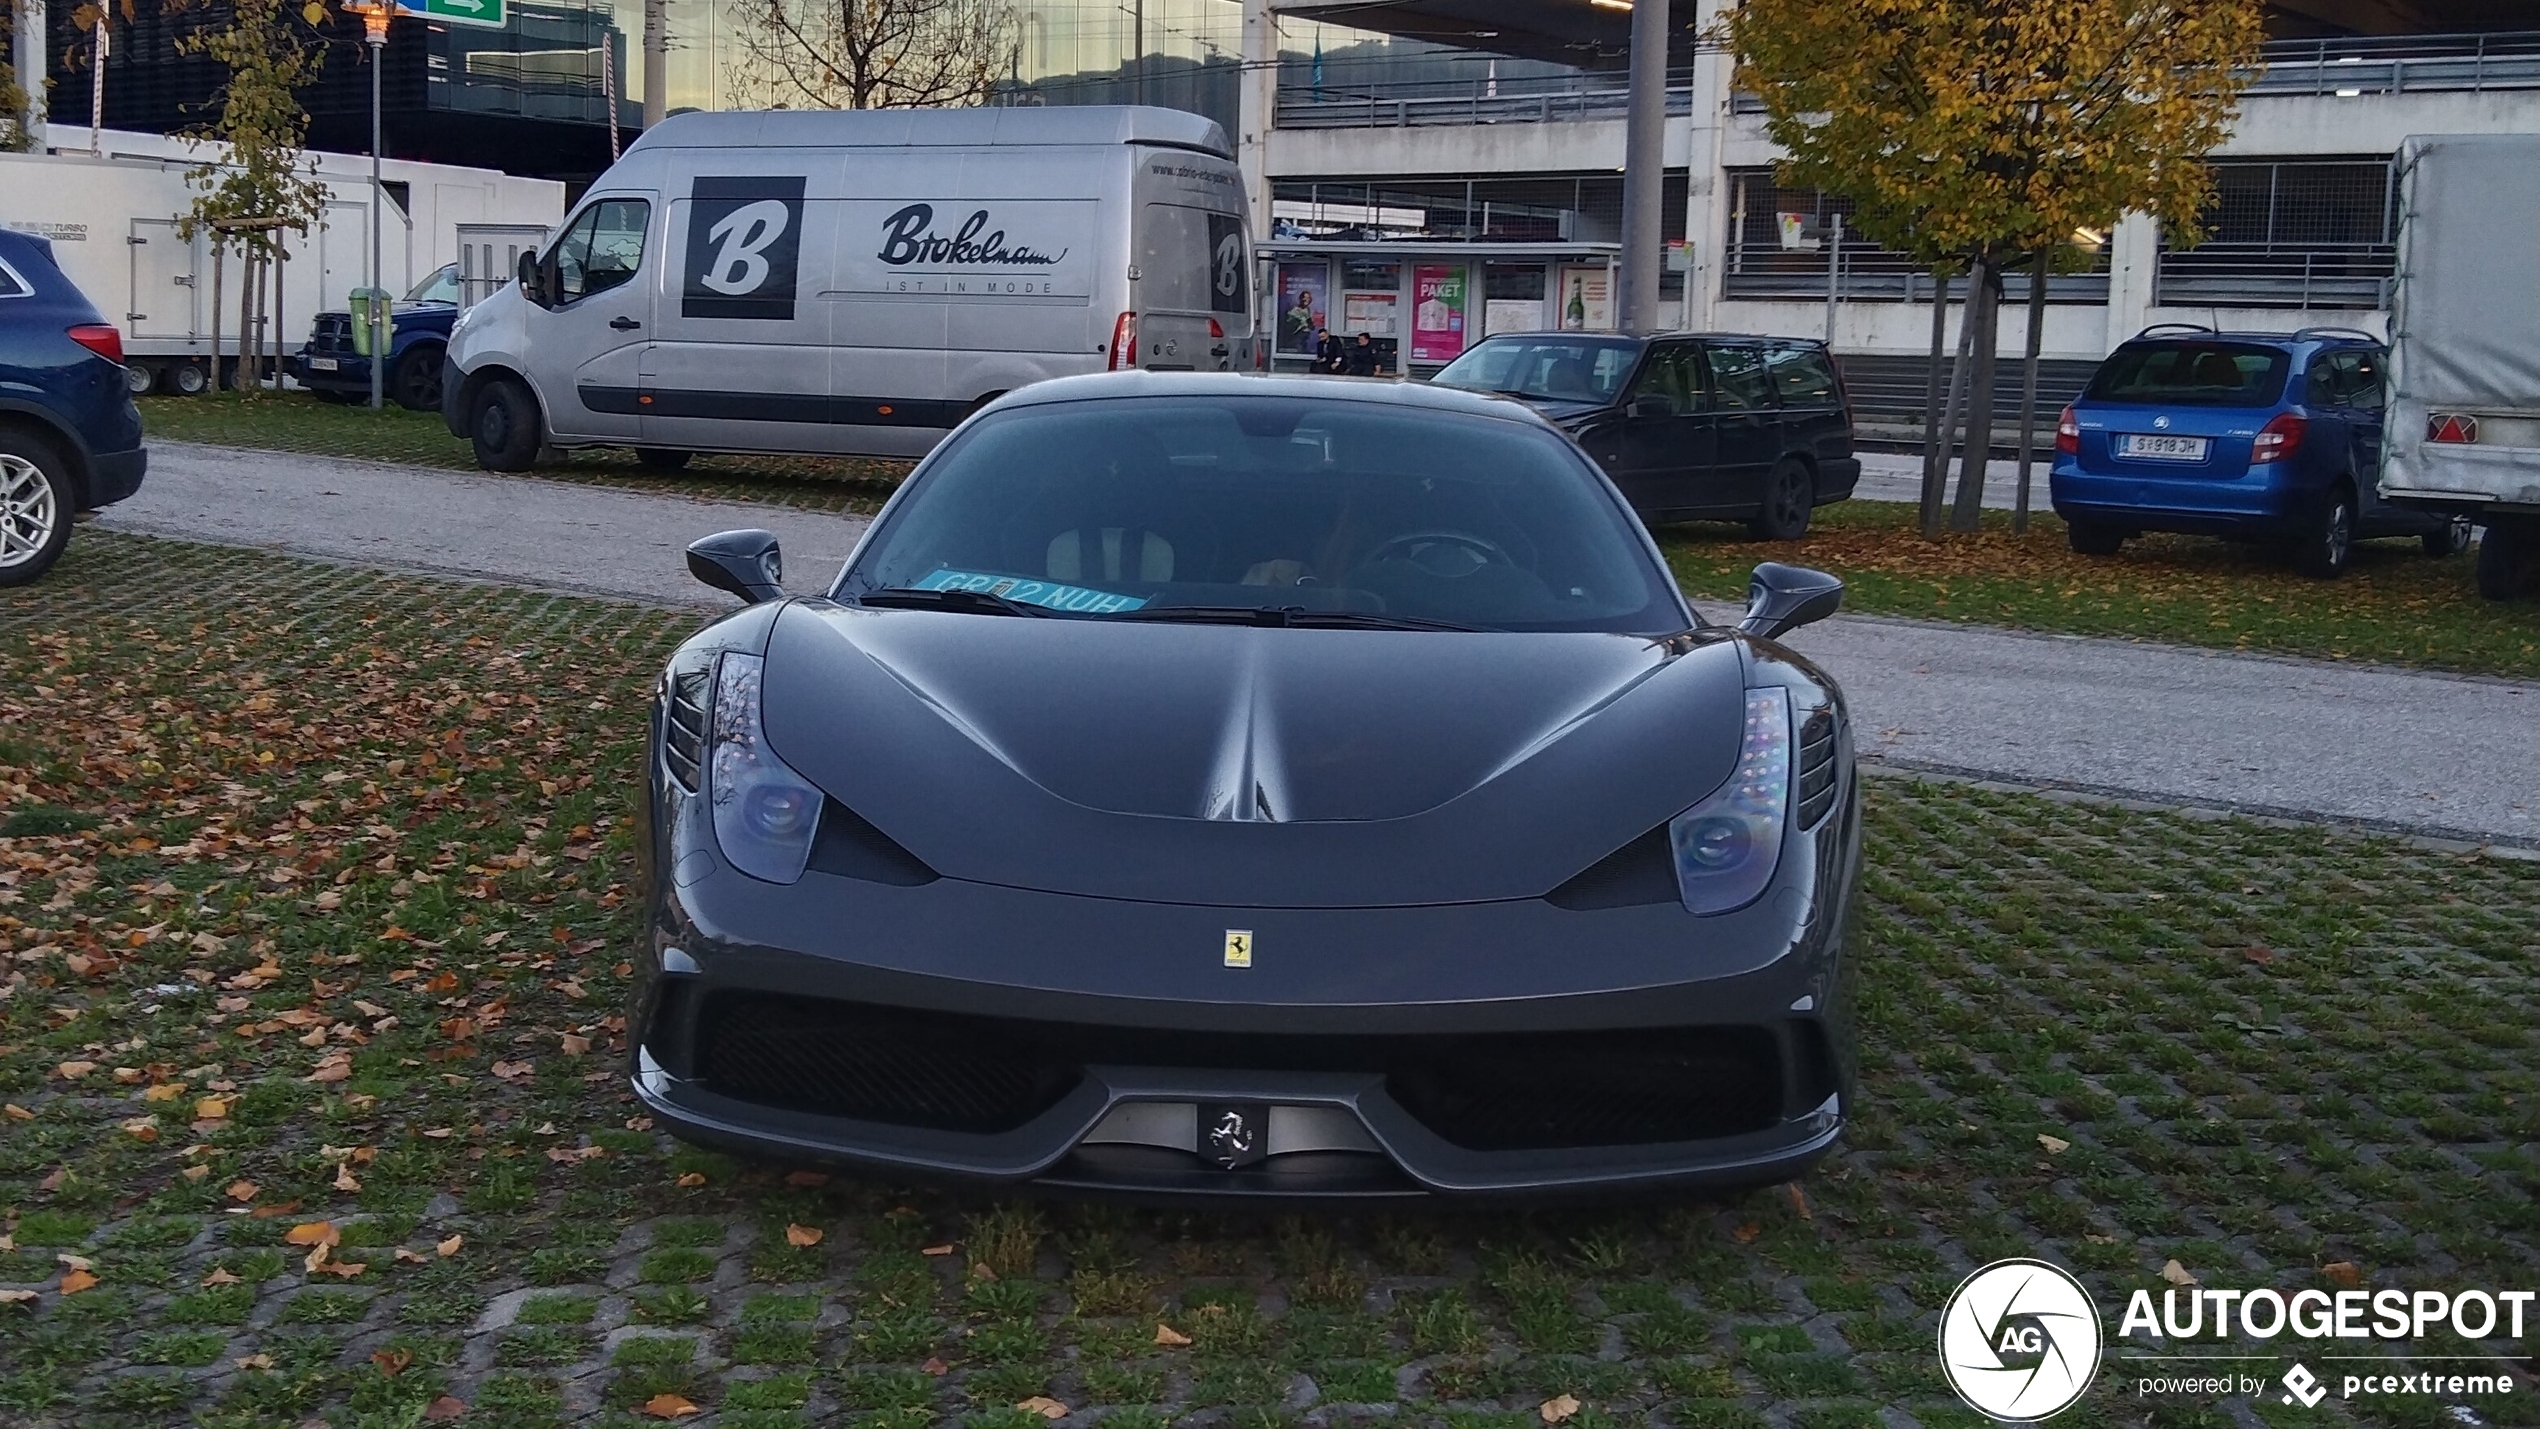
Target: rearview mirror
x: 746, y: 563
x: 1652, y: 404
x: 527, y: 270
x: 1780, y: 599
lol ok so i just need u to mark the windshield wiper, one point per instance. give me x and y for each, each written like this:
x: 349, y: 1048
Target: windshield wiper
x: 1285, y: 617
x: 974, y: 602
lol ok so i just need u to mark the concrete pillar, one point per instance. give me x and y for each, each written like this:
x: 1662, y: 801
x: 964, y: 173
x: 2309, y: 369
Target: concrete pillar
x: 656, y: 61
x: 29, y: 52
x: 1256, y: 106
x: 2133, y: 249
x: 1706, y: 191
x: 1645, y: 169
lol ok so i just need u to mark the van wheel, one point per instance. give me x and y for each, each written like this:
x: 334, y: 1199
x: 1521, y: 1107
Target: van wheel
x: 415, y: 382
x: 503, y: 426
x: 2324, y: 548
x: 35, y: 508
x: 661, y: 459
x: 2505, y: 558
x: 2451, y: 540
x: 187, y: 379
x: 139, y: 377
x: 1789, y: 496
x: 2090, y: 538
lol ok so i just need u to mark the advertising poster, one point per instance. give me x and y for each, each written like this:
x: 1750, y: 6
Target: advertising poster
x: 1587, y: 300
x: 1304, y: 305
x: 1437, y: 312
x: 1370, y: 313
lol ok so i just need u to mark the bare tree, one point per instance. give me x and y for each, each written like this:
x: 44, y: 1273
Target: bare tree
x: 879, y: 54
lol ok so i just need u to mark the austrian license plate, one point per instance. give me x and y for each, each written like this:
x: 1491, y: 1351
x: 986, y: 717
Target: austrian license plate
x: 2159, y: 448
x: 321, y: 364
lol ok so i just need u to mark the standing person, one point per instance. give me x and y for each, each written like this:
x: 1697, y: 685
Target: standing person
x: 1361, y: 358
x: 1328, y: 356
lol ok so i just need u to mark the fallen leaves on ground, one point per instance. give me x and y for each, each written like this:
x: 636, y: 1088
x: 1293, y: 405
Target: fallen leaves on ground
x: 1558, y: 1408
x: 670, y: 1406
x: 800, y: 1235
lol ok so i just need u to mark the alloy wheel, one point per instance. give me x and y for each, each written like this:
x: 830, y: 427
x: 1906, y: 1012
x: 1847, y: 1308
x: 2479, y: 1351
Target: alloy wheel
x: 2339, y: 536
x: 28, y: 511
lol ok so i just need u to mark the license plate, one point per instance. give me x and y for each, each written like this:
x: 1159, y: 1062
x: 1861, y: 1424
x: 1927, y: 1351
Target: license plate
x: 2162, y: 448
x: 321, y: 364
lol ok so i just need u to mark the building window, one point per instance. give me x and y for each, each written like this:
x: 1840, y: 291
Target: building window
x: 1777, y: 249
x: 2288, y: 233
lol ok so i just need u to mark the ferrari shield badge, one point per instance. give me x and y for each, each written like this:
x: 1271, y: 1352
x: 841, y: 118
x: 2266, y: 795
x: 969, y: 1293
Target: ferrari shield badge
x: 1239, y: 947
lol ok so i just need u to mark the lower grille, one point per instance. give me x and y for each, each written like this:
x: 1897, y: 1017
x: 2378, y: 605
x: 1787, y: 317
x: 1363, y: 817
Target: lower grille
x: 1498, y: 1092
x: 872, y: 1064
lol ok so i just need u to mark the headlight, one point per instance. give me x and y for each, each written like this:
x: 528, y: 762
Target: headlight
x: 764, y: 812
x: 1727, y: 846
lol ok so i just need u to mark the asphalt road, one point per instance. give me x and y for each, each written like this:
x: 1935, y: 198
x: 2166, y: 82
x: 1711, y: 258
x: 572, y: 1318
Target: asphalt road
x: 2425, y: 752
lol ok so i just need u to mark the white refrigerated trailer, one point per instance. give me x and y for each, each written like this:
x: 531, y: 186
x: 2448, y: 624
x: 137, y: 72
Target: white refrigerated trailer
x: 2463, y: 434
x: 113, y: 221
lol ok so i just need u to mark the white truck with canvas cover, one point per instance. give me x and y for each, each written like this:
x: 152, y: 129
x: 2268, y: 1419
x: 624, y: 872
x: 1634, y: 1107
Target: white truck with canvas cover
x: 2464, y: 425
x: 856, y: 283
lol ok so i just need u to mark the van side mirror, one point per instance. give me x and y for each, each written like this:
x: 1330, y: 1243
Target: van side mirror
x: 746, y: 563
x: 529, y: 275
x: 1780, y: 599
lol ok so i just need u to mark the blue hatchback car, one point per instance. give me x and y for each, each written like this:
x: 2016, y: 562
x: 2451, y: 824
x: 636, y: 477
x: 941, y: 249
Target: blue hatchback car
x: 70, y: 436
x: 2249, y: 436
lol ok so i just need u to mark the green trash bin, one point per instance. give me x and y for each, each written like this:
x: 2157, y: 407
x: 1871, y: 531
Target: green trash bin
x: 370, y: 313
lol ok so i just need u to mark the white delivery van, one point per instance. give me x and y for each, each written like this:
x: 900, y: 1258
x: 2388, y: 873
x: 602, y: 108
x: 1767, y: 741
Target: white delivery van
x: 856, y: 282
x: 113, y: 220
x: 2463, y: 435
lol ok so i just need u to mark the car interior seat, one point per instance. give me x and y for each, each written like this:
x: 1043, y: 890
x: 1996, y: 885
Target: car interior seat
x: 2215, y: 369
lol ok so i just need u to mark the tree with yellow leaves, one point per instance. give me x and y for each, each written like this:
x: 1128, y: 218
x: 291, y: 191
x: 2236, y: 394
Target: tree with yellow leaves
x: 1979, y: 134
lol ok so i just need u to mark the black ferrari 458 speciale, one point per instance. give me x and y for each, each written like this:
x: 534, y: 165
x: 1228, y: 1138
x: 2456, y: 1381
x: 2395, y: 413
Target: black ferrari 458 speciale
x: 1238, y: 786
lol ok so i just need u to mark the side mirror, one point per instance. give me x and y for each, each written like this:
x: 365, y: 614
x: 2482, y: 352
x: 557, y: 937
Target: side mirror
x: 746, y: 563
x: 527, y: 271
x: 1652, y: 404
x: 1780, y: 599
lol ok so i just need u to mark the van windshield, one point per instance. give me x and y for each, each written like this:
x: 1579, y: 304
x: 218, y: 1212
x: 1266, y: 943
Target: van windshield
x: 1554, y: 369
x: 2191, y: 374
x: 1305, y: 510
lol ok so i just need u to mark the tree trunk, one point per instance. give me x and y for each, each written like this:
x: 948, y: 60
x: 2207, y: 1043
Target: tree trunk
x: 246, y: 317
x: 1984, y: 307
x: 2037, y: 275
x: 1952, y: 410
x: 217, y: 250
x: 1934, y: 464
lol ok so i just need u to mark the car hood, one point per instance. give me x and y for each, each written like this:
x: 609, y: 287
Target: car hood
x: 1249, y: 766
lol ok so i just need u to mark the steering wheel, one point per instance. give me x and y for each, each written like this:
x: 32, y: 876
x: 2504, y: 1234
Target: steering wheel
x: 1414, y: 546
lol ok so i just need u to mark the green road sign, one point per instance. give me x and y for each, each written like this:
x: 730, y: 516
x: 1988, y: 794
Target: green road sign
x: 487, y: 13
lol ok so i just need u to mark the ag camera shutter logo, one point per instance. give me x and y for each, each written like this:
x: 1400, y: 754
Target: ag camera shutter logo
x: 744, y: 239
x: 2020, y: 1340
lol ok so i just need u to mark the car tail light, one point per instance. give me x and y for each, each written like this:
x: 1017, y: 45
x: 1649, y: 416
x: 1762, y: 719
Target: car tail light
x: 2453, y: 427
x: 2067, y: 433
x: 2278, y: 439
x: 100, y: 339
x: 1214, y: 330
x: 1124, y: 343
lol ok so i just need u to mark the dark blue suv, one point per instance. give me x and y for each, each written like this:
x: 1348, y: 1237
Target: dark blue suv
x: 70, y: 437
x: 2249, y: 436
x: 419, y: 331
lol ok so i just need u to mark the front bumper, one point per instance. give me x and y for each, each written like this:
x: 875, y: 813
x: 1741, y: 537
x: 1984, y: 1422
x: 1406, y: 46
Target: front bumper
x: 350, y: 373
x: 967, y: 1031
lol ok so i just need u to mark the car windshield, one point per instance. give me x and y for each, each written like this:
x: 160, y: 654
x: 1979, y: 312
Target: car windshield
x: 2191, y: 374
x: 1554, y: 369
x: 441, y: 287
x: 1302, y: 510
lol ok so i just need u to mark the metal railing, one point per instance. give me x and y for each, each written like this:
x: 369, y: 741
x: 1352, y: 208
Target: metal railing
x: 2262, y: 275
x: 1478, y: 100
x: 2400, y: 64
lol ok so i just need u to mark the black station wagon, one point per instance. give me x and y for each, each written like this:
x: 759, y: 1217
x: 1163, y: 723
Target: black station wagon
x: 1689, y: 425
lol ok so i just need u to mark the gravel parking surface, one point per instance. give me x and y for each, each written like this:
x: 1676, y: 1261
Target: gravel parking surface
x: 2393, y: 748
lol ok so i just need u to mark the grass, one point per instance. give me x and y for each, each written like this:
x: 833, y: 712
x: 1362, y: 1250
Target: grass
x: 2393, y: 605
x: 299, y: 422
x: 339, y: 820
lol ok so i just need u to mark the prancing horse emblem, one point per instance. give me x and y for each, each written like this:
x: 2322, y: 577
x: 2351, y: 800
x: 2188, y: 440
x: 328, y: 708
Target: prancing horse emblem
x: 1239, y: 947
x: 1234, y: 1134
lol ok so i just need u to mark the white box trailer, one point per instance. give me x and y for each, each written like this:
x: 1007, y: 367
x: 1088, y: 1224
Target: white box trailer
x: 113, y: 222
x: 2463, y: 433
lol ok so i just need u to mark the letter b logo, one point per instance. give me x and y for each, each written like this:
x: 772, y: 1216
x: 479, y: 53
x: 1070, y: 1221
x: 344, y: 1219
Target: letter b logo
x: 744, y: 237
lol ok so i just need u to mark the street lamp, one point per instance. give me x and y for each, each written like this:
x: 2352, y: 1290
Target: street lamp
x: 375, y: 34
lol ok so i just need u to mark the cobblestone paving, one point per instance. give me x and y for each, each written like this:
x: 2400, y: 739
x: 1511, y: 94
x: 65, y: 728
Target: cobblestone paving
x: 311, y: 882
